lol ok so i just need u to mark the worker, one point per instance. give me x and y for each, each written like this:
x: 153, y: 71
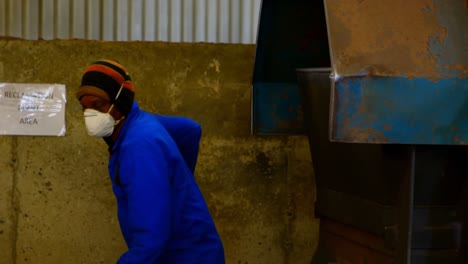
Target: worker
x: 161, y: 210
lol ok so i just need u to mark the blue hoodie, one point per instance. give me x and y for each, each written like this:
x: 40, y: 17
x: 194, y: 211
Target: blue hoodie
x: 161, y: 211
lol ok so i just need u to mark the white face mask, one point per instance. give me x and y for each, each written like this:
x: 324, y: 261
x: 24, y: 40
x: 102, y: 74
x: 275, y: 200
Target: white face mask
x: 98, y: 124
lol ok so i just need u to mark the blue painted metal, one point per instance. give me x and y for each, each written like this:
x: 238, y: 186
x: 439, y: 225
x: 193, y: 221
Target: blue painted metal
x: 397, y: 109
x: 415, y: 86
x: 277, y: 108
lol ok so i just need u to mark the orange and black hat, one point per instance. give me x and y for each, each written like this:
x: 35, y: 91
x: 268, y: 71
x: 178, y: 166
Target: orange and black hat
x: 104, y: 78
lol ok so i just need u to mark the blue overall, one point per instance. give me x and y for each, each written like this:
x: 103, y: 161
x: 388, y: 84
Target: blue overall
x: 162, y: 213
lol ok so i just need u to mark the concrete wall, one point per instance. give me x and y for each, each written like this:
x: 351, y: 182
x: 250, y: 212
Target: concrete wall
x: 56, y: 202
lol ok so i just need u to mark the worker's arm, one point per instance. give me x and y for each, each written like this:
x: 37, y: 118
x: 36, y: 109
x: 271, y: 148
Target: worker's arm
x: 146, y: 184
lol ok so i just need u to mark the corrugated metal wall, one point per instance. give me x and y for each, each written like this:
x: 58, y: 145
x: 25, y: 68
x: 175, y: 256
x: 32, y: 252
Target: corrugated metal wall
x: 218, y: 21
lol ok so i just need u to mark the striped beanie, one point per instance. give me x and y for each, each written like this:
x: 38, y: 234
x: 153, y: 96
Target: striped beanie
x: 104, y: 78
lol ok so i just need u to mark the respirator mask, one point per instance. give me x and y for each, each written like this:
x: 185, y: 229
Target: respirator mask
x: 101, y: 124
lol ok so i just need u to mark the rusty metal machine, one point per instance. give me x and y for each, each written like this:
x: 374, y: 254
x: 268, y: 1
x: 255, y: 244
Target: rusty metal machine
x: 381, y: 90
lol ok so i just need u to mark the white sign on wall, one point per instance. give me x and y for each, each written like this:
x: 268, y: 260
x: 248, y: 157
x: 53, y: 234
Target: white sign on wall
x: 32, y: 109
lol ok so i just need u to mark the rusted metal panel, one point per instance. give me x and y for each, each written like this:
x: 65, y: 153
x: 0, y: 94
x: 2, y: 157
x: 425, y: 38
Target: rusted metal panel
x: 405, y: 194
x: 400, y: 71
x: 379, y: 109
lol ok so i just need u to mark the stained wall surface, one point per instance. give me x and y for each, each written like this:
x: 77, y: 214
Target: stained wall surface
x: 56, y: 202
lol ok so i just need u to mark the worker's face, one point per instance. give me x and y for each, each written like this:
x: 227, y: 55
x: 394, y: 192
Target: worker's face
x: 98, y: 119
